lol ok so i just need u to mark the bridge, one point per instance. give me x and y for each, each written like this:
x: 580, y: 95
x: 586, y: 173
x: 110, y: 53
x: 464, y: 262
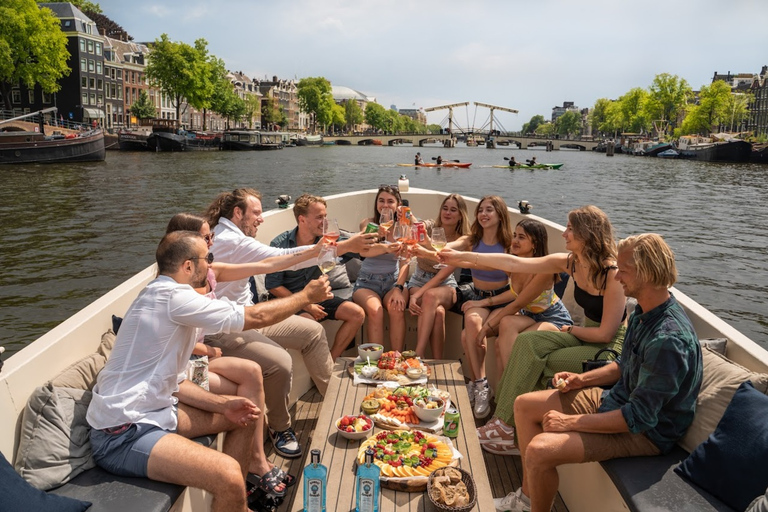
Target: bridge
x: 527, y: 141
x: 416, y: 139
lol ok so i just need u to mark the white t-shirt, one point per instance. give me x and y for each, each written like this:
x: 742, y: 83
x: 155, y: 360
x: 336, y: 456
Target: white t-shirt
x: 151, y: 351
x: 230, y: 245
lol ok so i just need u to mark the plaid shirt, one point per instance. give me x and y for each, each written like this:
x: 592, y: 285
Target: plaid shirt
x: 661, y: 371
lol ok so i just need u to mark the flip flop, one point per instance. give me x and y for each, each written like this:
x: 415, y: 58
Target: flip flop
x: 268, y: 482
x: 287, y: 479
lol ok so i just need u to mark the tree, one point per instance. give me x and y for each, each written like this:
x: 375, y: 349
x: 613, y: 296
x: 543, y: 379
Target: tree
x: 568, y: 124
x: 668, y: 97
x: 533, y: 125
x: 338, y: 117
x: 252, y: 105
x: 738, y: 106
x: 33, y: 49
x: 353, y: 114
x: 182, y: 72
x: 270, y: 112
x: 86, y: 6
x: 598, y: 114
x: 633, y: 112
x: 143, y: 107
x: 315, y: 98
x: 434, y: 128
x: 711, y: 111
x: 375, y: 116
x: 546, y: 129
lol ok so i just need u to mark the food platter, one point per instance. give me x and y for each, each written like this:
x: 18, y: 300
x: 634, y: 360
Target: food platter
x: 397, y: 407
x: 403, y: 369
x: 406, y: 458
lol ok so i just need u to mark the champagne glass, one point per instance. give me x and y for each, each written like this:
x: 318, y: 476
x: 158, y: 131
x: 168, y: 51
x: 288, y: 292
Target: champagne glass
x: 438, y: 243
x: 326, y: 260
x: 386, y: 220
x: 331, y: 230
x: 402, y: 233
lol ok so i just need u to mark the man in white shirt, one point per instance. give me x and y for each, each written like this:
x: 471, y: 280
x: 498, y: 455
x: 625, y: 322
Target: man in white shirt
x: 143, y: 413
x: 235, y: 218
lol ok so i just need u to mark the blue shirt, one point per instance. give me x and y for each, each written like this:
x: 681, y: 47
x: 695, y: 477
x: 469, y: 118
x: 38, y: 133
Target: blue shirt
x: 661, y: 371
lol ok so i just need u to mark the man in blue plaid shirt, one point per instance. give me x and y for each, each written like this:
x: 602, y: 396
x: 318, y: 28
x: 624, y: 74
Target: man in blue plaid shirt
x: 651, y: 403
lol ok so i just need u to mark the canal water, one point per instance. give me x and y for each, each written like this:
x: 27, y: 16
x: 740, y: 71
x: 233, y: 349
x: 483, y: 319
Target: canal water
x: 73, y: 232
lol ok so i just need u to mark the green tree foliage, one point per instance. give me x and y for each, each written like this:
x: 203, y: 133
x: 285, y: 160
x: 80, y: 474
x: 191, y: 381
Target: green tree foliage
x: 353, y: 114
x: 270, y: 112
x: 546, y: 129
x: 738, y: 109
x: 338, y: 117
x: 434, y: 128
x: 533, y: 125
x: 84, y: 5
x: 182, y: 72
x: 375, y: 116
x: 143, y: 107
x: 711, y: 111
x: 598, y: 115
x: 33, y: 49
x: 668, y: 96
x: 632, y: 111
x: 315, y: 98
x: 568, y: 124
x: 393, y: 122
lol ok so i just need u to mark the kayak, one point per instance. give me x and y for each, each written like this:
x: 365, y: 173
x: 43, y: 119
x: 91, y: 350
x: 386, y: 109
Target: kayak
x: 463, y: 165
x: 526, y: 166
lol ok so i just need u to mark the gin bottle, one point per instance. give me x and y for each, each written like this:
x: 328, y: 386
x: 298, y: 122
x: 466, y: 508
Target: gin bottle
x: 315, y: 479
x: 368, y: 485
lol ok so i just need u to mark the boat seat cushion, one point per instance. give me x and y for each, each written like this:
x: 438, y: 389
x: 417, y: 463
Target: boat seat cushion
x: 113, y: 493
x: 720, y: 380
x: 54, y: 444
x: 731, y: 462
x: 82, y: 374
x: 650, y: 484
x: 17, y: 494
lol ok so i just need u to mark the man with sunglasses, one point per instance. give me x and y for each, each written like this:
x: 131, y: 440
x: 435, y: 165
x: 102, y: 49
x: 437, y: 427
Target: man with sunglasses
x: 143, y: 416
x: 235, y: 218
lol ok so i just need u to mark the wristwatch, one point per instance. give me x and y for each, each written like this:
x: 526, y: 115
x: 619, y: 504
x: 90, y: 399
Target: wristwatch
x: 399, y: 286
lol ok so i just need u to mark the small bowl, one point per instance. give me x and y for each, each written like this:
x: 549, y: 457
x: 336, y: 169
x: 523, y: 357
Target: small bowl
x: 414, y: 373
x: 370, y: 350
x: 429, y: 414
x: 356, y: 435
x: 370, y: 406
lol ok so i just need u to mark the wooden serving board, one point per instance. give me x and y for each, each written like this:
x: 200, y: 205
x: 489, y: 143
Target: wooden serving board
x: 413, y: 484
x: 404, y: 380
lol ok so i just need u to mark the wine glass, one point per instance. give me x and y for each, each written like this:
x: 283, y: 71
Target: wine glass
x: 326, y: 260
x: 386, y: 220
x: 438, y: 243
x: 331, y: 231
x: 402, y: 233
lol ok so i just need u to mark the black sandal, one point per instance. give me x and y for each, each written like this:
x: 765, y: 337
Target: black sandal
x: 288, y: 479
x: 268, y: 482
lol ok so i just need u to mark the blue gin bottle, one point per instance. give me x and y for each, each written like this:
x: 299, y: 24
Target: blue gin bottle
x: 368, y: 485
x: 315, y: 479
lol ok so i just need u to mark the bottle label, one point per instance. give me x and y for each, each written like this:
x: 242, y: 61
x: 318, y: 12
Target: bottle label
x: 365, y: 494
x: 314, y: 495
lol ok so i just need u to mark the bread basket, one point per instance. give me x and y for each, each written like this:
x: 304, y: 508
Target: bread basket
x: 471, y: 490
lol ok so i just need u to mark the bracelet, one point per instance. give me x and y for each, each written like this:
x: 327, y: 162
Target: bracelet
x: 399, y: 286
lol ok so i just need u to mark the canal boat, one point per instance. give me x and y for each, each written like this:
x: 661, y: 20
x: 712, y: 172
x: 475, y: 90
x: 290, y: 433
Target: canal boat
x: 166, y: 137
x: 309, y: 140
x: 710, y: 149
x: 583, y: 487
x: 134, y: 139
x: 25, y: 147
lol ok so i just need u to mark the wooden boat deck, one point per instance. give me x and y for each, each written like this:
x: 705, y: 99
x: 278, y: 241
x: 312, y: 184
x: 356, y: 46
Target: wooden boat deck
x: 503, y: 473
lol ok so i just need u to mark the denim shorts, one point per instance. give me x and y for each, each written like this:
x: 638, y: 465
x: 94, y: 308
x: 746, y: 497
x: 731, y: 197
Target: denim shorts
x: 126, y: 452
x: 484, y: 294
x: 421, y: 277
x: 555, y: 314
x: 378, y: 283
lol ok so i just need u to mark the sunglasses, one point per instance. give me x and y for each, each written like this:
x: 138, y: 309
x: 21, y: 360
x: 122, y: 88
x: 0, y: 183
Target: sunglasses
x: 208, y: 258
x: 390, y: 187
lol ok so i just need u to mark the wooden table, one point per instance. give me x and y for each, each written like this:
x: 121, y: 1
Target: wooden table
x: 339, y: 454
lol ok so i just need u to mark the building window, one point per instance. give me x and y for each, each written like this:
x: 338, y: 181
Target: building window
x: 83, y: 65
x: 119, y: 74
x: 82, y: 45
x: 98, y: 66
x: 84, y: 82
x: 119, y: 93
x: 67, y: 23
x: 90, y: 46
x: 112, y: 90
x: 92, y: 83
x: 98, y: 48
x: 100, y: 99
x: 106, y: 71
x: 93, y: 98
x: 100, y: 84
x: 91, y: 65
x: 112, y: 73
x: 46, y: 97
x: 84, y: 98
x: 31, y: 97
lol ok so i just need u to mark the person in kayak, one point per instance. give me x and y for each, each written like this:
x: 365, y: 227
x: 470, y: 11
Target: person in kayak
x: 439, y: 160
x: 532, y: 161
x: 512, y: 162
x: 417, y: 159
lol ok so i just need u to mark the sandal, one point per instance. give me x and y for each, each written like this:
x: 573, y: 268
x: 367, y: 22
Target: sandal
x: 268, y: 482
x: 287, y: 479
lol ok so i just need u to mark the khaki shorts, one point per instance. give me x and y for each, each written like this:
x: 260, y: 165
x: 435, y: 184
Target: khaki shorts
x: 599, y: 447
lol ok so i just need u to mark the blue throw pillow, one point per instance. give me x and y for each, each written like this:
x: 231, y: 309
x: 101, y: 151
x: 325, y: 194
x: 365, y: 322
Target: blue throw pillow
x: 16, y: 495
x: 730, y: 464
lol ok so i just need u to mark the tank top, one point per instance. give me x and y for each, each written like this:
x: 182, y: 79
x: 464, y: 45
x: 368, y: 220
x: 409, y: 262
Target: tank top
x: 542, y: 302
x: 379, y: 265
x: 493, y: 276
x: 592, y: 304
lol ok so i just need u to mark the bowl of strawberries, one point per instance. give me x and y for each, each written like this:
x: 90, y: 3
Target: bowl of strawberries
x: 354, y: 427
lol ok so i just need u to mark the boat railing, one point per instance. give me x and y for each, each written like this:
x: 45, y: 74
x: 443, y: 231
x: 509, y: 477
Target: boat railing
x: 49, y: 118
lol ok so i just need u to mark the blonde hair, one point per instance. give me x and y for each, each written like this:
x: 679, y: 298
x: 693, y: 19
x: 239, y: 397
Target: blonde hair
x: 652, y: 258
x: 462, y: 228
x: 303, y: 202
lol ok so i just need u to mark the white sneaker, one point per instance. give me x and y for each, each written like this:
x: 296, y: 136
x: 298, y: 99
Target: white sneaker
x: 482, y: 401
x: 471, y: 391
x: 512, y: 502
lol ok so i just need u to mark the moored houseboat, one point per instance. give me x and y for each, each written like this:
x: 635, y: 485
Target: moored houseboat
x: 709, y: 149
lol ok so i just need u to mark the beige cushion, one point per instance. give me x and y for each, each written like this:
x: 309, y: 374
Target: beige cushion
x: 107, y: 342
x: 81, y: 374
x: 54, y: 445
x: 720, y: 380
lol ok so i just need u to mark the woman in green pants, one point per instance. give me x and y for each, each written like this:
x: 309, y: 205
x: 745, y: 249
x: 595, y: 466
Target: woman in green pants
x: 537, y: 356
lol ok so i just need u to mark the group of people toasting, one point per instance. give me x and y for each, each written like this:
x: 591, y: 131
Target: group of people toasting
x: 500, y: 277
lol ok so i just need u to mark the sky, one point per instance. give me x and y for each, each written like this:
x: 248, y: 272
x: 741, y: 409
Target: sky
x: 525, y: 55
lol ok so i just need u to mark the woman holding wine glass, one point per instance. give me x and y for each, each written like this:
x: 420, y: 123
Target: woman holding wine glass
x: 379, y: 283
x: 432, y: 289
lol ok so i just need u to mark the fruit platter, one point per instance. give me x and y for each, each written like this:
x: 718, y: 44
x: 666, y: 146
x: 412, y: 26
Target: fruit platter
x: 407, y: 457
x: 403, y: 368
x: 407, y: 407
